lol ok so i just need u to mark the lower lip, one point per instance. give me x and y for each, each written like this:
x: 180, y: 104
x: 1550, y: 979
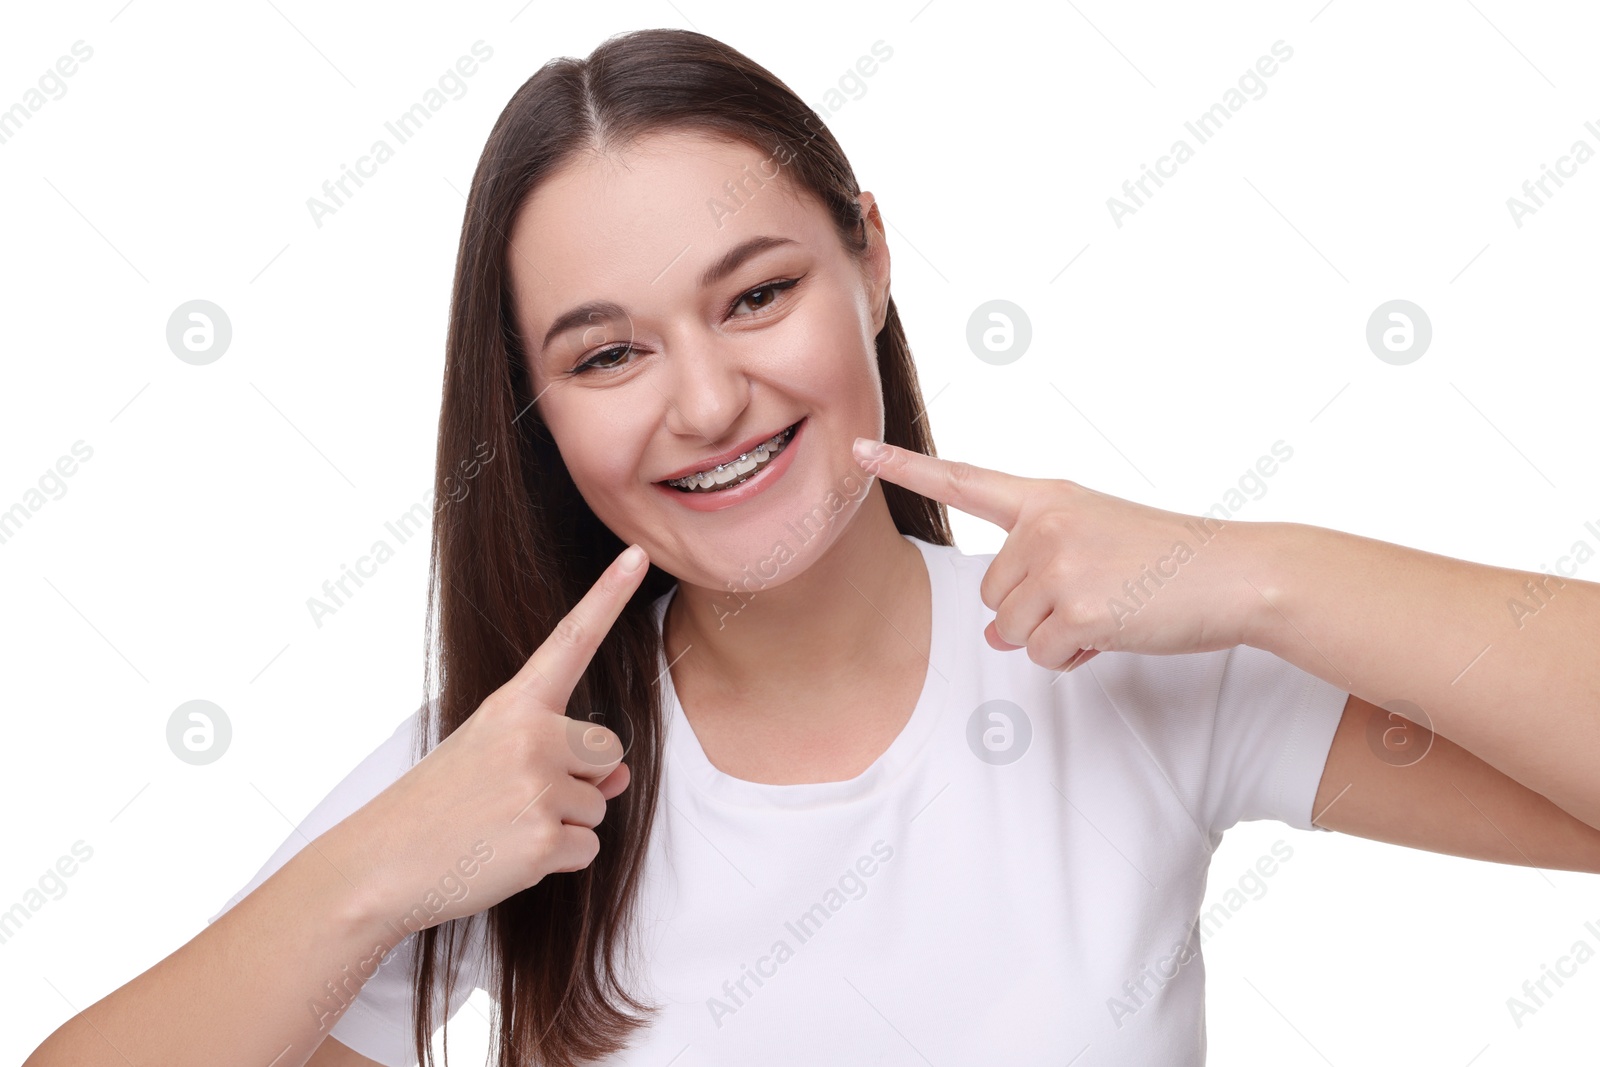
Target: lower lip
x: 728, y: 498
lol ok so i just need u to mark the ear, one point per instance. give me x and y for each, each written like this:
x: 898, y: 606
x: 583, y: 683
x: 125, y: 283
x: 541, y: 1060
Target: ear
x: 877, y: 261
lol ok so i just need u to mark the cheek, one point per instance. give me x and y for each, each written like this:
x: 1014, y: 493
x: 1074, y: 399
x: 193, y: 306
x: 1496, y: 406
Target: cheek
x: 595, y: 468
x: 851, y: 358
x: 834, y: 353
x: 601, y: 456
x: 604, y: 480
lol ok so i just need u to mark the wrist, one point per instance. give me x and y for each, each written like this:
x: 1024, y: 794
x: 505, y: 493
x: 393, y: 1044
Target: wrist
x: 1267, y: 572
x: 355, y: 898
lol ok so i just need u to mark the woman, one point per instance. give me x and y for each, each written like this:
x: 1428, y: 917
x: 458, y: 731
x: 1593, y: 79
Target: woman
x: 846, y: 831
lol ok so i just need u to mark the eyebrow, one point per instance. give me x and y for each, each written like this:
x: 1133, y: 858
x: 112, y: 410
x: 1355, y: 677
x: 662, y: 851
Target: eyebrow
x: 735, y: 257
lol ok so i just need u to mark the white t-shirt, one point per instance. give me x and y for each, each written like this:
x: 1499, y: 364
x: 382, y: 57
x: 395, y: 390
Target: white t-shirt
x: 1017, y: 879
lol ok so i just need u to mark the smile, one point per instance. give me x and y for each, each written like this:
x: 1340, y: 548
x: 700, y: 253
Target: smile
x: 740, y: 469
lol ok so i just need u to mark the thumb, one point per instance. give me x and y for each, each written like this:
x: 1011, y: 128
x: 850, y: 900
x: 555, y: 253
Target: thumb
x: 615, y: 782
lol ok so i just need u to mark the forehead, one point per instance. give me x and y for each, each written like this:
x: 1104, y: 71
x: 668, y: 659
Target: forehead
x: 648, y: 218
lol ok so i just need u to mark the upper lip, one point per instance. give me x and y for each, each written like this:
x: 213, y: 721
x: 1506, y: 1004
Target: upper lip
x: 724, y: 457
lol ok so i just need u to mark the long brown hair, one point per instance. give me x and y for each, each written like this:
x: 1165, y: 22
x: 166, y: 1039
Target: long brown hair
x: 515, y: 547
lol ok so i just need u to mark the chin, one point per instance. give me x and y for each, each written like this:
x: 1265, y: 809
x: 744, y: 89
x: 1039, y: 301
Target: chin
x: 748, y: 563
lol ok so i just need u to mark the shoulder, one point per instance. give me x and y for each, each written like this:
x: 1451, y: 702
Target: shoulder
x: 964, y: 569
x: 1147, y: 687
x: 380, y: 768
x: 1241, y: 732
x: 384, y: 764
x: 372, y: 775
x: 1238, y: 732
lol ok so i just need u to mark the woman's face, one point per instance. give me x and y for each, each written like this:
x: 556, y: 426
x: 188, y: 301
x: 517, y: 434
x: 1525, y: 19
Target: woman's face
x: 714, y: 307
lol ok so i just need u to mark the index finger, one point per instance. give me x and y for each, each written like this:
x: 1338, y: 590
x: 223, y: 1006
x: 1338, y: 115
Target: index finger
x: 552, y: 672
x: 989, y: 494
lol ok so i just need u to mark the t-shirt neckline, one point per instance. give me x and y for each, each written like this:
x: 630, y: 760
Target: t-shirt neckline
x: 684, y: 751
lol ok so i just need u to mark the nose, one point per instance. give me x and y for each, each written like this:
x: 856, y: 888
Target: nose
x: 706, y: 388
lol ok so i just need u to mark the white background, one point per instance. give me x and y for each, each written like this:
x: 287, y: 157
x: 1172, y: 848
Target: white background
x: 1229, y: 312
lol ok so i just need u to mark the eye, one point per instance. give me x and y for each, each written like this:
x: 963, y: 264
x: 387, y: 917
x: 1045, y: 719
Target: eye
x: 596, y: 361
x: 765, y: 295
x: 771, y: 290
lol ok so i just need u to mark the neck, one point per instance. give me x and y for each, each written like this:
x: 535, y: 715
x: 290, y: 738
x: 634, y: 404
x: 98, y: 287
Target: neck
x: 845, y: 612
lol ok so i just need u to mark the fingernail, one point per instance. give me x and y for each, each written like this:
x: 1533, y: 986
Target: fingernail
x: 631, y: 559
x: 865, y: 448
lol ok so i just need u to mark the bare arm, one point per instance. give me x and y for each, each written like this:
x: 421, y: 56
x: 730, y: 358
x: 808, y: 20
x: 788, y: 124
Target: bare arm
x: 511, y: 795
x: 248, y: 990
x: 1501, y: 662
x: 1428, y: 792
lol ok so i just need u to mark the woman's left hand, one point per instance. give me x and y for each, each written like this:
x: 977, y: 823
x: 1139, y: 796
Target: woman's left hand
x: 1083, y: 572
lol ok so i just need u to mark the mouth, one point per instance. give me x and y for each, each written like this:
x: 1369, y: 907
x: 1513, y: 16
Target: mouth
x: 738, y: 470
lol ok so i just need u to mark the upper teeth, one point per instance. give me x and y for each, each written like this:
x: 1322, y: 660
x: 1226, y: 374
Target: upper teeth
x: 735, y: 469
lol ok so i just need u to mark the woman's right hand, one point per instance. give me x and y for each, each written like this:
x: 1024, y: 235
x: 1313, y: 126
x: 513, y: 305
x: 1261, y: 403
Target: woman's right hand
x: 512, y: 795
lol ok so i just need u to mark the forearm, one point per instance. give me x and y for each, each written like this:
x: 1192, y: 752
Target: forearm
x: 1518, y: 687
x: 261, y: 985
